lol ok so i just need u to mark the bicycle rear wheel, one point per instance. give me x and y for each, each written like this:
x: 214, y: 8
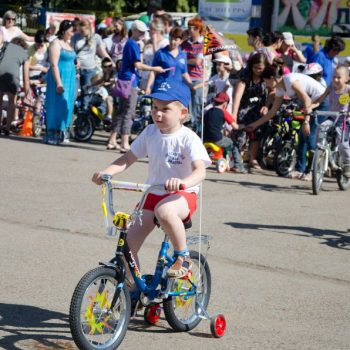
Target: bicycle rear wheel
x: 93, y: 325
x: 181, y: 312
x: 318, y: 171
x: 343, y: 181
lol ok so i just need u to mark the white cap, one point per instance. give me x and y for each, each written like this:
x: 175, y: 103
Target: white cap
x: 139, y: 25
x: 223, y: 59
x: 288, y: 38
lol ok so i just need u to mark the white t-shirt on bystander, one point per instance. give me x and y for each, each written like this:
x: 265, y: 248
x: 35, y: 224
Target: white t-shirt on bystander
x: 312, y: 87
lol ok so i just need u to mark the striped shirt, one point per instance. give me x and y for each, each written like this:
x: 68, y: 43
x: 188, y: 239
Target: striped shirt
x: 194, y: 50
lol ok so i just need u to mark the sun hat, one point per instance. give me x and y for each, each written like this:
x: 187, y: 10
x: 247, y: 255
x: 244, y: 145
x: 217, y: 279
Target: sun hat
x: 222, y: 97
x: 288, y: 38
x: 223, y: 59
x: 172, y: 91
x: 139, y: 25
x: 313, y: 68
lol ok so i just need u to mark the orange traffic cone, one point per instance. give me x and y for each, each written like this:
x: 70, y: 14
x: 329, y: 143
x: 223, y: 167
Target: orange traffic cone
x: 27, y: 129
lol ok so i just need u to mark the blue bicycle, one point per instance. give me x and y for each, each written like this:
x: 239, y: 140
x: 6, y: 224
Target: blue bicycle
x: 101, y: 305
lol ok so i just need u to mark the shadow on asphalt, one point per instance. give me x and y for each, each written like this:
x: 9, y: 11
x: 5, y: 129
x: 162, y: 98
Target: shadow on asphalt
x: 82, y: 145
x: 44, y: 329
x: 139, y: 325
x: 264, y: 187
x: 332, y: 238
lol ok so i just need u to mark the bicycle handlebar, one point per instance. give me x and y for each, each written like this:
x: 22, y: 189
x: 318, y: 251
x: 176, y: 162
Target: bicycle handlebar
x: 327, y: 114
x: 128, y: 186
x: 335, y: 115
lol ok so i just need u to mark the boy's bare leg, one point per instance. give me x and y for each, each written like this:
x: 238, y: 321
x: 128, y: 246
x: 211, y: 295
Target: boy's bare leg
x: 170, y: 213
x: 137, y: 235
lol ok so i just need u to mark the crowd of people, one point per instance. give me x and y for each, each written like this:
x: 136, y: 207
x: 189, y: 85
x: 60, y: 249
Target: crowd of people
x: 241, y: 91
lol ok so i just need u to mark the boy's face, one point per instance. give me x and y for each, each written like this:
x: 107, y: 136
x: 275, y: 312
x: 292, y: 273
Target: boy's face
x: 168, y: 115
x: 220, y: 67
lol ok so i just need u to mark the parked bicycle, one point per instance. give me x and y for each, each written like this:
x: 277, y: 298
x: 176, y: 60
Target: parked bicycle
x: 87, y: 120
x: 101, y: 304
x: 327, y: 151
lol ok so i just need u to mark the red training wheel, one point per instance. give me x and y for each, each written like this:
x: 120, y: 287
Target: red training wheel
x: 218, y: 326
x: 152, y: 314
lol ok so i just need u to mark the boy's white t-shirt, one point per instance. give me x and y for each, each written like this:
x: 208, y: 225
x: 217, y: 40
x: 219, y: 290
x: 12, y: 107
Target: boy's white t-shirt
x: 312, y: 87
x: 170, y: 155
x: 222, y: 85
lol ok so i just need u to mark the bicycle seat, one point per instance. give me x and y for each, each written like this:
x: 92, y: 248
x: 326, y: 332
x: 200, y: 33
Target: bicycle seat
x: 187, y: 224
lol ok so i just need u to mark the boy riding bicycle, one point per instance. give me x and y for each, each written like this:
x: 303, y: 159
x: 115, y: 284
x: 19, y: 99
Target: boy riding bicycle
x: 177, y: 158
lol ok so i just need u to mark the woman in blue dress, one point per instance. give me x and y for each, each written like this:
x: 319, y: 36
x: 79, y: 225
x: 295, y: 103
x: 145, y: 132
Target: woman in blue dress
x: 61, y: 79
x: 174, y: 62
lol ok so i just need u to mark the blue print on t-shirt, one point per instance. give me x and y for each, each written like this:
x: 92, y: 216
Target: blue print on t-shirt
x: 174, y: 158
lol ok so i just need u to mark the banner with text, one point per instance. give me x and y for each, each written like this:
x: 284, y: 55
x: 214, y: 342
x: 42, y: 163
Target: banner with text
x: 230, y: 16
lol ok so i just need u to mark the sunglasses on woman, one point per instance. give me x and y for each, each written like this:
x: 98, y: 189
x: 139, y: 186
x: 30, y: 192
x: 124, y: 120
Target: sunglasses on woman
x: 106, y: 67
x: 11, y: 19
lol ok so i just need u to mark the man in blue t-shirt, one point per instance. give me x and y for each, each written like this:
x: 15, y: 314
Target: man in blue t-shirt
x: 326, y: 57
x: 131, y: 64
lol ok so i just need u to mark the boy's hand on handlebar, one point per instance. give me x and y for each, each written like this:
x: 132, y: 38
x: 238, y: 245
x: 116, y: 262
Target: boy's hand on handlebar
x: 173, y: 184
x: 97, y: 178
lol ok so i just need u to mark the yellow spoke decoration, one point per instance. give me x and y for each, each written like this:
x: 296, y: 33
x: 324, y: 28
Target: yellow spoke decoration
x: 101, y: 301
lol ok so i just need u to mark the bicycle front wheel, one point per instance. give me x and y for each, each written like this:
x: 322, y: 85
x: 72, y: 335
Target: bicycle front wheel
x: 285, y: 159
x: 182, y: 312
x: 83, y: 128
x: 318, y: 171
x: 93, y: 324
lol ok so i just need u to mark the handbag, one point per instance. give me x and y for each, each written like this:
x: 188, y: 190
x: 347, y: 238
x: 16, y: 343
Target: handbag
x: 122, y: 88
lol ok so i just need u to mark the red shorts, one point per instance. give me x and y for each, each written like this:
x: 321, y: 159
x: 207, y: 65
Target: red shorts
x: 153, y: 199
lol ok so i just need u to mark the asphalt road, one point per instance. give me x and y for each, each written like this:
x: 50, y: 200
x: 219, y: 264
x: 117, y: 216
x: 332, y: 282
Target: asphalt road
x: 279, y: 257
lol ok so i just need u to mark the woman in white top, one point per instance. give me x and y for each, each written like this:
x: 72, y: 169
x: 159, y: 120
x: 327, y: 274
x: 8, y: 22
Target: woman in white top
x: 293, y: 85
x: 38, y: 57
x: 157, y: 41
x: 10, y: 30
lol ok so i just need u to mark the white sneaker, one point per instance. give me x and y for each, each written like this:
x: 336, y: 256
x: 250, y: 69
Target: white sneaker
x: 306, y: 177
x: 295, y: 175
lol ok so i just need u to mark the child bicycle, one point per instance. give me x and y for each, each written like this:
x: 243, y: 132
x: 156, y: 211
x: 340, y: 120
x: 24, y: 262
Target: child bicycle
x: 327, y: 152
x: 102, y: 305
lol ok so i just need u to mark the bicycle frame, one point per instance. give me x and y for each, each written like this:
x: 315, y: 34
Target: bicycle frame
x: 324, y: 143
x: 145, y: 286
